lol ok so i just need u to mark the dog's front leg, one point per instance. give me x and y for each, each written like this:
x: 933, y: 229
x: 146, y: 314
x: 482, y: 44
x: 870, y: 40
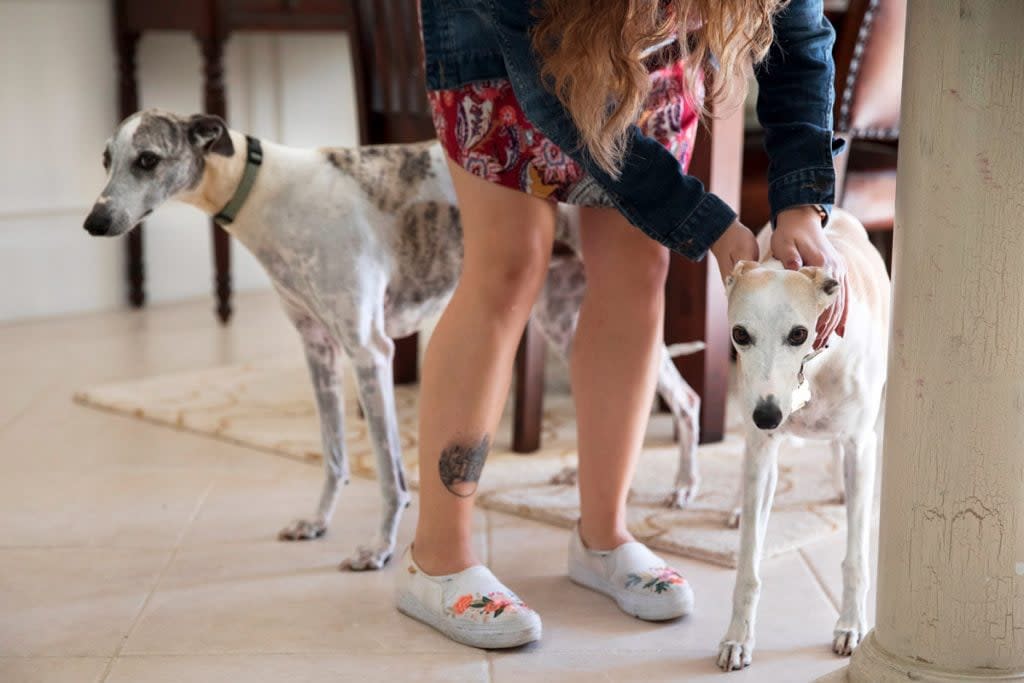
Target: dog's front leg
x: 860, y: 483
x: 838, y: 469
x: 322, y: 358
x: 376, y: 394
x: 760, y: 472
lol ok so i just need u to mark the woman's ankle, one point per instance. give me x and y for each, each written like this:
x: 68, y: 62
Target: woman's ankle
x: 600, y: 537
x: 437, y: 559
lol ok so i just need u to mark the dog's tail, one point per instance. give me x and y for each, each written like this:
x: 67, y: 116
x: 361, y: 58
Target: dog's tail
x: 685, y: 349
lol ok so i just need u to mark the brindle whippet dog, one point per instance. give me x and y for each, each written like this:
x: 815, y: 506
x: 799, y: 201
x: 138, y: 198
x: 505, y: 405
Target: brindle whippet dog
x: 787, y: 389
x: 362, y: 245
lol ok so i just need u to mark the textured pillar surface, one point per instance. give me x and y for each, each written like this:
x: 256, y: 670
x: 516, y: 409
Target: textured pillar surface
x: 951, y: 550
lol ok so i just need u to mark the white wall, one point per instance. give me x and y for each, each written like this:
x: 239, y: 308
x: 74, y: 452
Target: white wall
x: 58, y: 104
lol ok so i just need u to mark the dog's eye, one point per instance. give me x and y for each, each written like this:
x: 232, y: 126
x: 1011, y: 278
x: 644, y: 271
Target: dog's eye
x: 147, y: 161
x: 797, y: 336
x: 106, y: 159
x: 740, y: 336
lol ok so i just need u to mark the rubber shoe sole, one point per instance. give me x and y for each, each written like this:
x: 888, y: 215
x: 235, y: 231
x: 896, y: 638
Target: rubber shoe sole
x: 648, y: 608
x: 483, y: 636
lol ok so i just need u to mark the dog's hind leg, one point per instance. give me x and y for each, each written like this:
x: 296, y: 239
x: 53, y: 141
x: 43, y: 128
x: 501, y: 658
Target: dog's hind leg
x: 732, y: 520
x: 684, y: 404
x: 556, y: 313
x: 322, y: 359
x: 377, y: 396
x: 760, y: 473
x: 860, y: 454
x: 558, y: 306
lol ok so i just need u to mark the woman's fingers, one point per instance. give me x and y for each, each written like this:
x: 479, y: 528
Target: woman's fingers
x: 750, y: 251
x: 789, y: 255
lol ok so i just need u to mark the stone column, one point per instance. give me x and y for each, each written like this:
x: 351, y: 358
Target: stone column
x: 951, y: 552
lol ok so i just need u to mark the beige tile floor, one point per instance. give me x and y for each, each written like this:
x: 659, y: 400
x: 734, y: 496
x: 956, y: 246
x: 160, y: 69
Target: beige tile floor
x: 133, y: 553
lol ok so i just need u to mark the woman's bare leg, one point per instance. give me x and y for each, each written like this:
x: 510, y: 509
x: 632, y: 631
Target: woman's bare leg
x: 614, y: 364
x: 468, y: 365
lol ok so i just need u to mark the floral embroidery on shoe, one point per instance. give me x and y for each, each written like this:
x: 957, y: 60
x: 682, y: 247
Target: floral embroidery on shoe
x: 492, y: 604
x: 658, y: 580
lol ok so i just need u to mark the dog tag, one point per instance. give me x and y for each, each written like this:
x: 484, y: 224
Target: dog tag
x: 809, y: 357
x: 802, y: 395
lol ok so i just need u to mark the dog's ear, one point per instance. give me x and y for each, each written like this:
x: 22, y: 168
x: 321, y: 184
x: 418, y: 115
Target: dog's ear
x: 825, y: 286
x: 739, y: 270
x: 210, y: 134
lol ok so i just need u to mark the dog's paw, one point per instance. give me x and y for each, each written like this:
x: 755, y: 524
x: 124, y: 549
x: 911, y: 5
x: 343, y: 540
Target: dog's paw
x: 367, y: 558
x: 681, y: 497
x: 732, y: 521
x: 734, y: 655
x: 567, y: 477
x: 845, y: 641
x: 303, y: 530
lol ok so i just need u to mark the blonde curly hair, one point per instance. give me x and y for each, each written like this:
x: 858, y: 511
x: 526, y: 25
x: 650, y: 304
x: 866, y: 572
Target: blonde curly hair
x: 592, y: 55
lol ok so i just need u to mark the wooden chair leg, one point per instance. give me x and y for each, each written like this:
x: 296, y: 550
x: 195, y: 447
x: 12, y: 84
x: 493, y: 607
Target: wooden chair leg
x: 695, y: 309
x: 215, y: 100
x: 406, y: 363
x: 529, y: 390
x: 135, y: 268
x: 695, y: 305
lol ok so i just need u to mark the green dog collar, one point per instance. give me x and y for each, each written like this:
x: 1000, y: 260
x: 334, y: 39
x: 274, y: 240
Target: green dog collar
x: 253, y: 161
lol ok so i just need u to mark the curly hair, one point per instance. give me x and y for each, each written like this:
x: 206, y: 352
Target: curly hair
x: 592, y: 57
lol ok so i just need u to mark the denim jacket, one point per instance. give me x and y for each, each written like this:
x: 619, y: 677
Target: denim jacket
x: 473, y: 40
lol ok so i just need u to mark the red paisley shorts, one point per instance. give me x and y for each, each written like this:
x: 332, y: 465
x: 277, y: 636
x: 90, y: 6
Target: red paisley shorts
x: 483, y: 129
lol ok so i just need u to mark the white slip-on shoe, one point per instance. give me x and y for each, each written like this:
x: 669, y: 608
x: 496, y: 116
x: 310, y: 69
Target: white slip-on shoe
x: 471, y: 607
x: 640, y: 582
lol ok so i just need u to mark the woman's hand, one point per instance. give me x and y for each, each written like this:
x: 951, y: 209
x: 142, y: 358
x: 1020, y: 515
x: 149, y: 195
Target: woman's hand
x: 799, y: 241
x: 737, y: 243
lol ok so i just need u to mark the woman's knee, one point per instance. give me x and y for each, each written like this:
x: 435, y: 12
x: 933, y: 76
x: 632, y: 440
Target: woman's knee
x: 638, y: 274
x: 508, y: 277
x: 652, y: 270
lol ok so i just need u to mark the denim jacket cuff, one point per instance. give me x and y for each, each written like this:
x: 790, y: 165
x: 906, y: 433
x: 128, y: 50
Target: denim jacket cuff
x: 812, y: 186
x: 697, y: 232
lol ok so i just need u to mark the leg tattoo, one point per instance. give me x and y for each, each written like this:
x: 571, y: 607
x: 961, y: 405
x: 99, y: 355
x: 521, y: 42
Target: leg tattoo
x: 460, y: 466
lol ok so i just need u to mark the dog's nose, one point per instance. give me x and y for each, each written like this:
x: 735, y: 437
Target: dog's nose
x: 767, y: 415
x: 98, y: 222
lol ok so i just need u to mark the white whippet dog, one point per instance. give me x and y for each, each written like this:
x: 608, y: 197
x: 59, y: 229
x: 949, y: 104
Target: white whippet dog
x: 785, y: 388
x: 362, y: 245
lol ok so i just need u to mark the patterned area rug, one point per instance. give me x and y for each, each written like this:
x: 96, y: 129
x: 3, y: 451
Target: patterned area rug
x: 269, y: 405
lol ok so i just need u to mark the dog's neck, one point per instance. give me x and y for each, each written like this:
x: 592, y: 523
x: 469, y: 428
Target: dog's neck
x: 221, y: 177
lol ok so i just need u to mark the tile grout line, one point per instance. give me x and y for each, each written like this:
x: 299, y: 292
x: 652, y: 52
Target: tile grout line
x: 819, y: 579
x: 106, y: 671
x: 489, y: 658
x: 37, y: 397
x: 156, y: 584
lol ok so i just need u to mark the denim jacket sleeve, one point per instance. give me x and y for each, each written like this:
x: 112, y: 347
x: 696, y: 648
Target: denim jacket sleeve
x: 651, y: 191
x: 794, y: 106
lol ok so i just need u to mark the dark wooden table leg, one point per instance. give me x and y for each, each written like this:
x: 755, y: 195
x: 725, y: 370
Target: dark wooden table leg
x: 695, y: 305
x: 406, y: 364
x: 215, y: 102
x: 529, y: 390
x: 135, y: 264
x: 695, y: 309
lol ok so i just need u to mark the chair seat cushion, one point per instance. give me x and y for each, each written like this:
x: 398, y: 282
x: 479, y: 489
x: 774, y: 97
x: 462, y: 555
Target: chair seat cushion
x: 871, y: 197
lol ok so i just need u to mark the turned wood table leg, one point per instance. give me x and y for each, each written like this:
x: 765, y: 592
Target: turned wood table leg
x: 215, y: 102
x: 135, y: 265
